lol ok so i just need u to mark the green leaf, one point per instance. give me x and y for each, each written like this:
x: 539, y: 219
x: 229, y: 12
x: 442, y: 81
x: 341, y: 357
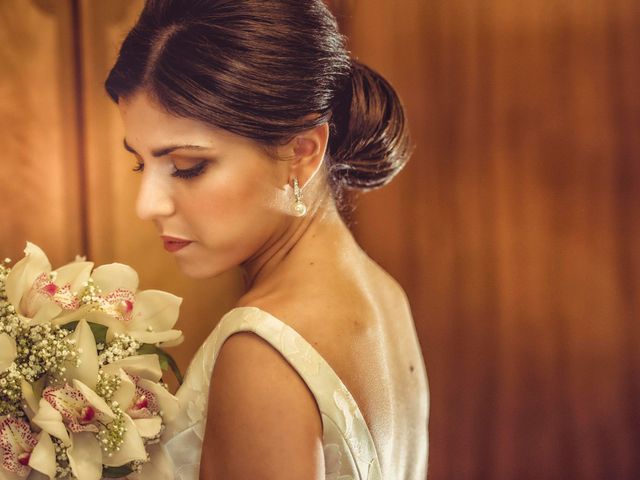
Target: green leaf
x: 166, y: 361
x: 71, y: 326
x: 116, y: 472
x: 99, y: 331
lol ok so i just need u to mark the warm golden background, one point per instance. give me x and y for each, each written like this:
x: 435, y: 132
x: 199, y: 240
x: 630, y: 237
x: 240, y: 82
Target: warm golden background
x: 514, y: 229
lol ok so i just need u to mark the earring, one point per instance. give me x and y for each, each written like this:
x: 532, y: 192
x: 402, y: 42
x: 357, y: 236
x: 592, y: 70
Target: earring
x: 299, y: 208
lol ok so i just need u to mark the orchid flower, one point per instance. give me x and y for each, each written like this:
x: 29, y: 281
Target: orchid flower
x: 146, y: 402
x: 37, y: 293
x: 22, y: 451
x: 139, y: 394
x: 147, y: 316
x: 80, y: 409
x: 75, y: 414
x: 8, y: 351
x: 17, y: 441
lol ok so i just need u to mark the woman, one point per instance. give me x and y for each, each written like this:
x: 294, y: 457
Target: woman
x: 248, y: 119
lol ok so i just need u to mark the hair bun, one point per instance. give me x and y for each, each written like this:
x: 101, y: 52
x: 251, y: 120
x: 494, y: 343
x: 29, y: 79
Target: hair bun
x: 370, y: 142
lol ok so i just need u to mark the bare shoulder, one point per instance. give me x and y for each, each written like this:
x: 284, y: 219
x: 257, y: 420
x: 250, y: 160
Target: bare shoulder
x: 263, y: 422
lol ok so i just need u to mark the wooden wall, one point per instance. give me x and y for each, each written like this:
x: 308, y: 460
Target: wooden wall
x: 39, y: 153
x: 514, y: 228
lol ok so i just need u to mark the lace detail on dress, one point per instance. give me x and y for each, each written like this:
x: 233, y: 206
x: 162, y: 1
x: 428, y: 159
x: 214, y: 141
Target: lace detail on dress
x: 349, y: 450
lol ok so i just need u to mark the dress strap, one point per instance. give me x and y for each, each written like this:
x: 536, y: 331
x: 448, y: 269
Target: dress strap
x: 332, y: 397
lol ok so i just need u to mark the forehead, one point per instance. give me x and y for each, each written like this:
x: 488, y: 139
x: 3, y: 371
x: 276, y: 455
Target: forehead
x: 145, y: 120
x: 148, y: 127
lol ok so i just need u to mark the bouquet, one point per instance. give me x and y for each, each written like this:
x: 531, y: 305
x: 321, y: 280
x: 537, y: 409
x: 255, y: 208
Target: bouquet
x: 80, y: 369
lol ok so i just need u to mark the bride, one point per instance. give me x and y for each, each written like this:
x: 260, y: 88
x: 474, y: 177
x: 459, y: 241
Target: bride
x: 248, y: 120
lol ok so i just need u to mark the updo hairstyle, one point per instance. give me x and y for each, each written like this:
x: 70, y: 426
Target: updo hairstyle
x: 260, y: 69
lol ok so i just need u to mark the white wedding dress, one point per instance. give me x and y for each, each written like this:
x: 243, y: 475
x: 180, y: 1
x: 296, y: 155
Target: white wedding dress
x: 349, y: 451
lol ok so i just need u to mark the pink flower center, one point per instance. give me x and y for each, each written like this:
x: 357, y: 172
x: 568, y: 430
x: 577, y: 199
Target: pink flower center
x: 23, y: 458
x: 50, y: 289
x: 142, y: 402
x: 125, y: 306
x: 87, y: 414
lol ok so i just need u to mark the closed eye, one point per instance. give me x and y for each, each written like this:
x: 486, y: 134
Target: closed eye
x: 184, y: 173
x: 190, y: 172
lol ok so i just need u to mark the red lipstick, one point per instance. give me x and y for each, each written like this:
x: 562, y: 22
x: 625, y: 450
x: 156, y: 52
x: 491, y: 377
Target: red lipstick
x: 173, y: 244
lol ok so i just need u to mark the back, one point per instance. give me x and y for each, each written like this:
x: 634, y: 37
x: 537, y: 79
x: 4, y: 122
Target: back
x: 360, y: 322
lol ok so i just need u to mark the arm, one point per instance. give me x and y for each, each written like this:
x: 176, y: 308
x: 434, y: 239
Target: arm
x: 263, y: 422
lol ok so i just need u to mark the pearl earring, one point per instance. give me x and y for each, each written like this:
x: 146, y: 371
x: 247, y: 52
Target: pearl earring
x: 299, y: 208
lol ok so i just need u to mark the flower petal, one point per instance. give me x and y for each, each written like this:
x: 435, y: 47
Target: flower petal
x: 16, y: 439
x: 73, y: 316
x: 47, y: 312
x: 8, y: 351
x: 94, y: 399
x: 148, y: 427
x: 85, y: 456
x: 43, y: 457
x: 25, y: 272
x: 75, y: 274
x: 6, y: 475
x: 87, y: 370
x: 156, y: 309
x: 168, y: 403
x: 30, y: 399
x: 173, y: 343
x: 50, y: 420
x: 145, y: 366
x: 126, y: 392
x: 91, y: 316
x: 35, y: 475
x: 114, y: 276
x: 155, y: 338
x: 132, y: 447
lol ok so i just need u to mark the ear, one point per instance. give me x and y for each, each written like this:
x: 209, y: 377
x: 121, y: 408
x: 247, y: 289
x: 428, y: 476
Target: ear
x: 306, y: 151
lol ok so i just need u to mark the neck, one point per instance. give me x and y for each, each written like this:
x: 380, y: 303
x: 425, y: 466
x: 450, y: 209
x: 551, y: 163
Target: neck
x: 301, y: 239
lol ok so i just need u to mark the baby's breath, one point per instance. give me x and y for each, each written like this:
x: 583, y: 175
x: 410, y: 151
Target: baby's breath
x: 90, y: 294
x: 63, y: 470
x: 11, y: 392
x: 136, y: 465
x: 43, y: 349
x: 107, y: 385
x: 111, y: 436
x: 122, y: 346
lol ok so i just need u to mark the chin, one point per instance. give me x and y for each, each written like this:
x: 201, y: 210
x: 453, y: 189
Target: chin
x: 203, y: 269
x: 200, y: 271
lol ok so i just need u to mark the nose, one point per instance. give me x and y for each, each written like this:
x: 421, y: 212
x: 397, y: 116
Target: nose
x: 154, y: 198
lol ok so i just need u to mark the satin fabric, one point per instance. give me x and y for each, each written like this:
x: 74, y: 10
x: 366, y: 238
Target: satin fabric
x: 349, y: 451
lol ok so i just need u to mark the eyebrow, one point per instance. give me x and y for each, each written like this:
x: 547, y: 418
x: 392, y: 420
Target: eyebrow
x: 165, y: 150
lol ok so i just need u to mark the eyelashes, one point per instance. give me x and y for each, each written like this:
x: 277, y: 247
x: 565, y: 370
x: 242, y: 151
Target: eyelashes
x: 186, y: 173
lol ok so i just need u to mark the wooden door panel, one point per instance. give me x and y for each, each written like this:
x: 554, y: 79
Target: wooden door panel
x: 39, y: 164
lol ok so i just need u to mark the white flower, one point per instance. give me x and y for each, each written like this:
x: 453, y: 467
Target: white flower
x: 150, y: 403
x: 139, y: 393
x: 8, y: 351
x: 75, y: 414
x: 80, y: 409
x: 147, y: 316
x: 17, y: 441
x: 22, y: 451
x: 40, y: 294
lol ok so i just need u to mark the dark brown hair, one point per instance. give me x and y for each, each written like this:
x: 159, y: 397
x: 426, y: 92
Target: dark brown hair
x: 260, y: 68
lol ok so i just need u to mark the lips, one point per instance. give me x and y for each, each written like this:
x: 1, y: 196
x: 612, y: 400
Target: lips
x: 173, y: 244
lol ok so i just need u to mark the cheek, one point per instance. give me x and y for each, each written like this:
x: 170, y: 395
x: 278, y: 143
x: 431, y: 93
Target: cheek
x: 233, y: 205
